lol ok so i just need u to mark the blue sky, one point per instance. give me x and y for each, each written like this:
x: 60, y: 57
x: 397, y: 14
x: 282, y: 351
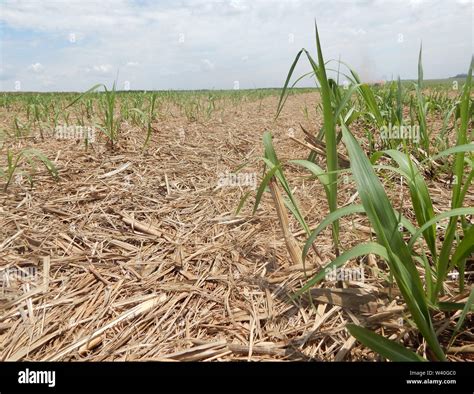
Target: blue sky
x: 201, y: 44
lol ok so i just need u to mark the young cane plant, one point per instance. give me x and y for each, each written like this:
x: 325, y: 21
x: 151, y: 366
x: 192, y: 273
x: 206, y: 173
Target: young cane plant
x: 147, y: 119
x: 400, y: 256
x: 422, y: 107
x: 110, y: 125
x: 328, y: 130
x: 14, y: 163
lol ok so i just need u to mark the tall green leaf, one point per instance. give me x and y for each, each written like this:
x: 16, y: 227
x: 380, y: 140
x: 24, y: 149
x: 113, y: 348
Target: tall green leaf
x: 385, y: 223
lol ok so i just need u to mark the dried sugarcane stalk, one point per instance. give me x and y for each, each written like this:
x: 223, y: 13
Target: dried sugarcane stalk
x: 291, y: 244
x: 320, y: 148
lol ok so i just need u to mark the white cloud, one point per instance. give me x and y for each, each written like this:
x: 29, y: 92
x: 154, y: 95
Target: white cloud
x: 36, y: 67
x: 102, y: 68
x: 238, y: 5
x: 358, y: 32
x: 207, y: 65
x: 132, y: 64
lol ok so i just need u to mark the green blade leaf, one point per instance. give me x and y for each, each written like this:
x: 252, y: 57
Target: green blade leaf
x: 356, y: 251
x: 385, y: 347
x: 337, y: 214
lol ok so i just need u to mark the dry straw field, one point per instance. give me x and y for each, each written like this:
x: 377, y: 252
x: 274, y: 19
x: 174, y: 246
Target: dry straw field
x: 328, y: 224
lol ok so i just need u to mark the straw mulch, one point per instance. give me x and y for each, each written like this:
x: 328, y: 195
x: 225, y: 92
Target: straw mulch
x: 140, y: 256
